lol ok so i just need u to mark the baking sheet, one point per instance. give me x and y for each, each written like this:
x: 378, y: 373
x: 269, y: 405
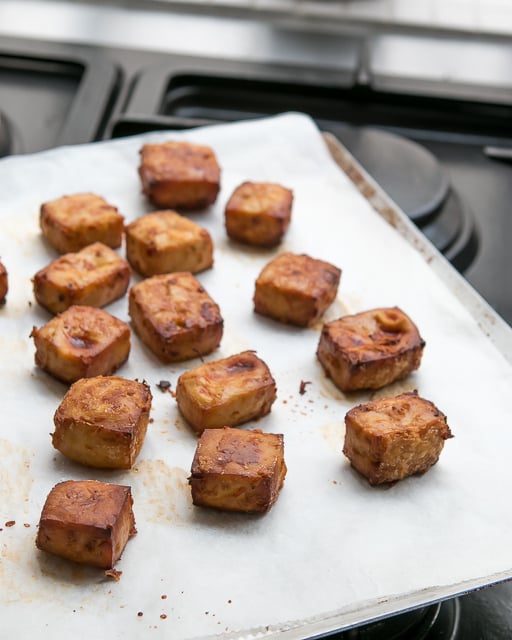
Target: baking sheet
x: 333, y: 551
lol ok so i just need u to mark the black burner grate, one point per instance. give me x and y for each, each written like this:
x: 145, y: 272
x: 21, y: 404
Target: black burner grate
x: 51, y: 96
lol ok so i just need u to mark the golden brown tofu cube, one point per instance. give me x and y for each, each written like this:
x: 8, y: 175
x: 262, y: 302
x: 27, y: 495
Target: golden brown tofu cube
x: 296, y: 289
x: 371, y: 349
x: 392, y: 438
x: 237, y: 470
x: 87, y: 521
x: 102, y: 421
x: 94, y: 276
x: 70, y: 223
x: 179, y: 175
x: 227, y: 392
x: 81, y: 342
x: 175, y: 317
x: 259, y: 213
x: 164, y: 242
x: 4, y: 283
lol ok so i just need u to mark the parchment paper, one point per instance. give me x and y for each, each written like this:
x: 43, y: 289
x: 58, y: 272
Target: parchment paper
x: 333, y: 551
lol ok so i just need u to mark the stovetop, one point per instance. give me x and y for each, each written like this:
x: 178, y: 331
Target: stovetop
x: 426, y: 151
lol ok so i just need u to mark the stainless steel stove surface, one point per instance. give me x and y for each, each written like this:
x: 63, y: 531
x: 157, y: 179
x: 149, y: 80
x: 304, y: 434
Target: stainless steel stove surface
x: 427, y: 152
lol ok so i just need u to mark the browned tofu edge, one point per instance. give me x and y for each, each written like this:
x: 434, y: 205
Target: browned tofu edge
x: 179, y: 175
x: 276, y: 294
x: 395, y: 450
x: 91, y: 426
x: 177, y: 338
x: 229, y: 471
x: 81, y: 355
x: 4, y: 283
x: 97, y: 291
x: 104, y: 222
x: 87, y: 521
x: 363, y: 364
x: 248, y: 392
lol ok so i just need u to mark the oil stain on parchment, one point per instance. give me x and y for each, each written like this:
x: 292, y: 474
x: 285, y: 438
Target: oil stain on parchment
x: 161, y: 492
x: 15, y: 477
x: 16, y: 531
x: 333, y: 434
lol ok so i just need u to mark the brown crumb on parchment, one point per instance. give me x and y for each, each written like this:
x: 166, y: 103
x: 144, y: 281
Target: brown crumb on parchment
x: 114, y: 574
x: 165, y: 387
x: 303, y: 385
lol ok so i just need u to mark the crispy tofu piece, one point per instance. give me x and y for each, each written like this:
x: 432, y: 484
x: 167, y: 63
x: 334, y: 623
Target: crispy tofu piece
x: 70, y: 223
x: 179, y: 175
x: 296, y: 289
x: 81, y: 342
x: 371, y: 349
x: 87, y: 521
x: 175, y: 317
x: 94, y: 276
x: 4, y: 283
x: 237, y: 470
x: 165, y: 242
x: 227, y: 392
x: 102, y: 421
x: 392, y: 438
x: 259, y: 213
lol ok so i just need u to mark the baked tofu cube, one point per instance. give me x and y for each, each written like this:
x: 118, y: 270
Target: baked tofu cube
x: 179, y: 175
x: 72, y: 222
x: 164, y: 242
x: 227, y: 392
x: 392, y: 438
x: 371, y: 349
x: 4, y: 283
x: 87, y: 521
x: 94, y: 276
x: 82, y: 342
x: 259, y: 213
x: 237, y: 470
x: 175, y: 317
x: 296, y: 289
x: 102, y: 421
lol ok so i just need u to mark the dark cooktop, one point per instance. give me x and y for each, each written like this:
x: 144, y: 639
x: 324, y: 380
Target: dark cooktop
x: 427, y: 153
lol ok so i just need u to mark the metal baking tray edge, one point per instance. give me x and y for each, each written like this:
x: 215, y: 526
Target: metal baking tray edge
x: 342, y: 620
